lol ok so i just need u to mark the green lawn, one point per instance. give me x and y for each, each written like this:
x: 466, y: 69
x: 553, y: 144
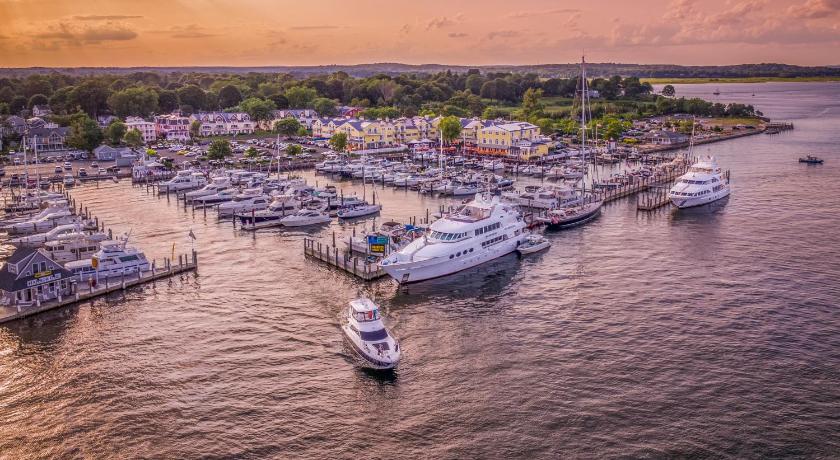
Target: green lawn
x: 660, y: 81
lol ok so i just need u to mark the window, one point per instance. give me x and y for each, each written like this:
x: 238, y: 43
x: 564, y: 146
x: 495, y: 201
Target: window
x: 374, y: 335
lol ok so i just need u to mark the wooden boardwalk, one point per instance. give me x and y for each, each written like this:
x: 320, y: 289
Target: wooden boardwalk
x: 342, y: 260
x: 20, y: 311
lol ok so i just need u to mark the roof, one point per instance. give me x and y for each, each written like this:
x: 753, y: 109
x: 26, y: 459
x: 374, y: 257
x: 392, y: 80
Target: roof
x: 45, y: 132
x: 20, y: 254
x: 363, y: 305
x: 11, y: 282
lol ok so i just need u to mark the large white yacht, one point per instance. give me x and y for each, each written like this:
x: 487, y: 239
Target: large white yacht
x: 703, y: 183
x: 215, y: 186
x: 185, y: 180
x: 247, y: 201
x: 368, y: 337
x: 482, y: 230
x: 114, y: 259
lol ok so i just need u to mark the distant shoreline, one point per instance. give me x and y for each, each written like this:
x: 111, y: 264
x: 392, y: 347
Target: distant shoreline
x: 663, y: 80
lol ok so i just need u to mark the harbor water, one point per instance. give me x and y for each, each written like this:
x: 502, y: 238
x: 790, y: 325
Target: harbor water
x: 708, y: 332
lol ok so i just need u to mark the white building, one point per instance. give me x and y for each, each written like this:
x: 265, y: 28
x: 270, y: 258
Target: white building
x: 146, y: 128
x: 223, y: 123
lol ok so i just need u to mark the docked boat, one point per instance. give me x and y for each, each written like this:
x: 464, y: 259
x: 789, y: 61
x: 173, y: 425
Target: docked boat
x: 219, y: 197
x: 115, y: 258
x: 482, y: 230
x: 704, y: 183
x: 533, y: 243
x: 77, y: 247
x: 367, y: 335
x: 282, y: 206
x: 571, y: 216
x: 359, y: 211
x: 305, y: 218
x: 44, y: 223
x: 811, y: 159
x: 215, y: 186
x: 184, y: 180
x: 545, y: 197
x: 247, y: 201
x: 58, y: 233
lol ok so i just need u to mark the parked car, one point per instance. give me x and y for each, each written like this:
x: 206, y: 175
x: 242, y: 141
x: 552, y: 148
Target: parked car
x: 58, y: 170
x: 102, y: 171
x: 82, y: 172
x: 68, y: 166
x: 94, y: 165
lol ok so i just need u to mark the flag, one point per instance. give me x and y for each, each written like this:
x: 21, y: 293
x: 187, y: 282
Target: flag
x: 191, y: 235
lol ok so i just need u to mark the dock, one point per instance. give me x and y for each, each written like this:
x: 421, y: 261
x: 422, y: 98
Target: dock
x: 185, y: 263
x: 342, y: 260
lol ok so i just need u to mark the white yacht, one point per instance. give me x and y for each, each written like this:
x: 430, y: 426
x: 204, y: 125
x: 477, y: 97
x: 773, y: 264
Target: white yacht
x: 114, y: 259
x: 367, y: 335
x: 58, y: 233
x: 184, y: 180
x: 482, y: 230
x: 703, y: 183
x: 78, y: 247
x: 215, y: 186
x: 247, y: 201
x: 219, y: 197
x: 306, y: 217
x: 282, y: 206
x: 43, y: 223
x: 545, y: 197
x: 358, y: 210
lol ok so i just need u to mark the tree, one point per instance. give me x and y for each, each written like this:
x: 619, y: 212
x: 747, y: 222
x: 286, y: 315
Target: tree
x: 302, y: 131
x: 91, y: 96
x: 133, y: 138
x: 18, y: 103
x: 4, y: 108
x: 85, y: 134
x: 294, y: 150
x: 6, y: 94
x: 288, y: 126
x: 193, y: 96
x: 669, y: 91
x: 37, y: 99
x: 115, y: 132
x: 531, y: 102
x: 338, y: 142
x: 546, y: 125
x: 300, y: 97
x: 167, y: 101
x: 251, y: 152
x: 324, y: 106
x: 450, y: 128
x: 258, y: 109
x: 491, y: 113
x: 195, y: 129
x: 140, y: 102
x: 219, y: 149
x: 229, y: 96
x: 280, y: 101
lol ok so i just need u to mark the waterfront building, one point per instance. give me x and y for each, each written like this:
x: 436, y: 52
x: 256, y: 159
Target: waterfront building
x: 662, y: 137
x: 146, y: 128
x: 306, y: 117
x: 47, y: 139
x: 223, y: 123
x: 506, y: 138
x: 121, y: 156
x: 172, y: 127
x: 29, y: 275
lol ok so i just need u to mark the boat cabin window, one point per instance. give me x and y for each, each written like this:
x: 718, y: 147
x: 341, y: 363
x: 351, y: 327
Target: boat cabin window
x: 365, y: 315
x: 447, y: 236
x: 487, y: 228
x: 381, y: 334
x: 128, y: 258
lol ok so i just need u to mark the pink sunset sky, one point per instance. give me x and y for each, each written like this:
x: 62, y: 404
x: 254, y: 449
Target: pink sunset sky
x: 284, y: 32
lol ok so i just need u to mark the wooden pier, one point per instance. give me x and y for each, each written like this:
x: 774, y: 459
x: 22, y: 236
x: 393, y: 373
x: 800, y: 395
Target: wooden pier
x: 109, y: 285
x: 342, y: 260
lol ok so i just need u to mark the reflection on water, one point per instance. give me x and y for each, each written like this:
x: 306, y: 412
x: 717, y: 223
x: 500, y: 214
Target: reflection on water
x: 707, y: 332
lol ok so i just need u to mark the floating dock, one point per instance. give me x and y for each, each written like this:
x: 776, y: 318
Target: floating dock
x: 343, y: 260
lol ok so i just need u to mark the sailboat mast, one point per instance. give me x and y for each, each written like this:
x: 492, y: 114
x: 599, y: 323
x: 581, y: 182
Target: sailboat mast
x: 583, y: 103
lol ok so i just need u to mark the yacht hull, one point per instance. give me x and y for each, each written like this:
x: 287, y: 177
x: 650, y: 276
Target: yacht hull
x: 690, y: 202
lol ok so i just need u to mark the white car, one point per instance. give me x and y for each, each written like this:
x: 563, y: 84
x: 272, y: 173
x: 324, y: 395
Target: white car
x: 68, y: 166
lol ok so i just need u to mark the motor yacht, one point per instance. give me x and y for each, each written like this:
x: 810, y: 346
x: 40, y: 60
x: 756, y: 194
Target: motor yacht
x: 359, y: 211
x: 532, y: 244
x: 77, y: 247
x: 545, y: 197
x: 572, y: 215
x: 44, y: 223
x: 184, y: 180
x: 704, y: 183
x: 282, y: 206
x: 57, y: 233
x: 305, y: 217
x: 216, y: 185
x: 368, y: 336
x: 115, y: 258
x: 219, y: 197
x: 245, y: 202
x: 484, y: 229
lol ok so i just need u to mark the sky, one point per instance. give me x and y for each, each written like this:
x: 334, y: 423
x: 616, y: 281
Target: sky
x: 75, y: 33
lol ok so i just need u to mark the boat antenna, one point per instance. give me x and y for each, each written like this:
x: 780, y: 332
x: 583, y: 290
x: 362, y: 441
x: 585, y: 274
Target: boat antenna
x: 127, y: 236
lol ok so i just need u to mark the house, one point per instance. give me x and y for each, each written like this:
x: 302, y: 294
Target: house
x: 48, y: 139
x: 121, y: 156
x: 346, y: 111
x: 662, y: 137
x: 527, y: 149
x: 41, y: 110
x: 106, y: 120
x: 304, y: 116
x: 16, y: 124
x: 223, y: 123
x: 172, y: 127
x: 146, y: 128
x: 30, y: 276
x: 504, y: 138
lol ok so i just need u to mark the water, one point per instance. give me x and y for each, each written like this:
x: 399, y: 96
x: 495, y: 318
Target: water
x: 710, y: 332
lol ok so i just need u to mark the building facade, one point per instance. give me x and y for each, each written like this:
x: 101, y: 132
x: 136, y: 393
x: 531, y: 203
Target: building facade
x: 147, y: 128
x: 30, y: 276
x: 223, y: 123
x: 47, y: 139
x: 172, y: 127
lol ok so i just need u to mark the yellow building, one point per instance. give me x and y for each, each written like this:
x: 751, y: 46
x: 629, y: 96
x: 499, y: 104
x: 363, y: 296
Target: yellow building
x: 367, y: 134
x: 504, y: 138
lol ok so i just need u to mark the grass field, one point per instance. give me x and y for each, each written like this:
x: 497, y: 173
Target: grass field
x: 729, y: 122
x: 661, y: 81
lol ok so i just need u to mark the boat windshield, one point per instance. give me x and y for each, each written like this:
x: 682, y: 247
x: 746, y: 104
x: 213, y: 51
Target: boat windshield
x: 472, y: 213
x: 381, y: 334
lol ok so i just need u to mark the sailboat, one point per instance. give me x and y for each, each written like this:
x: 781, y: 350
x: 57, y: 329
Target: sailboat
x: 587, y: 207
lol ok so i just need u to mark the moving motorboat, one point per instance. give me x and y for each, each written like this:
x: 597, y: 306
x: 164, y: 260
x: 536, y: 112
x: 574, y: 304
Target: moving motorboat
x: 482, y: 230
x: 368, y: 336
x: 811, y: 159
x: 533, y: 243
x: 704, y: 183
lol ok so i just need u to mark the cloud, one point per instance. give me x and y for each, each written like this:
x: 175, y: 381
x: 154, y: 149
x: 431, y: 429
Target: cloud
x: 115, y: 17
x: 815, y: 9
x: 314, y: 27
x: 458, y: 35
x: 443, y: 21
x: 534, y: 13
x: 189, y: 31
x: 502, y: 34
x: 63, y: 32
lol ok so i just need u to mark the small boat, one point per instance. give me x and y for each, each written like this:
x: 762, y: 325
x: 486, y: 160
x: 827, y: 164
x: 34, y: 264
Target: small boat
x: 305, y: 217
x: 115, y: 179
x: 359, y: 211
x: 534, y: 243
x: 573, y: 215
x: 811, y: 160
x: 367, y: 335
